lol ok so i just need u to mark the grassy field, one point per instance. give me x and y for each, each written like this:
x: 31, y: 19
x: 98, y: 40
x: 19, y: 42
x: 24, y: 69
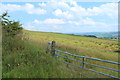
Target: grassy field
x: 27, y: 58
x: 84, y: 46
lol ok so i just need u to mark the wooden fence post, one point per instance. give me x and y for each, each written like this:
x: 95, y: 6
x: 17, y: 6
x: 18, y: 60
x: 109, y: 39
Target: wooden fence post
x: 53, y: 48
x: 48, y: 47
x: 83, y: 62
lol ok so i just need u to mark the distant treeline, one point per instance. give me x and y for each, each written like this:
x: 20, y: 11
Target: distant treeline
x: 90, y: 36
x: 85, y: 35
x: 111, y: 37
x: 102, y: 37
x: 96, y: 36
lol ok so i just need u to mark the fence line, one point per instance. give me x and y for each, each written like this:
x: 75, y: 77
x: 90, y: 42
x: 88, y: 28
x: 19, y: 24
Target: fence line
x: 89, y: 63
x: 53, y: 52
x: 89, y: 69
x: 88, y: 57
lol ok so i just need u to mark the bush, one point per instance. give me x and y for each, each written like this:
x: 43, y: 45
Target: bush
x: 10, y: 28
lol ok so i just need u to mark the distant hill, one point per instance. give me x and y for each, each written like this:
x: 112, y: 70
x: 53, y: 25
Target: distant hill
x: 112, y: 35
x: 107, y: 35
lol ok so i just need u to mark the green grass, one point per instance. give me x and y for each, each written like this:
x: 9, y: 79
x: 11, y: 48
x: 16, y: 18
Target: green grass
x: 27, y: 58
x: 84, y: 46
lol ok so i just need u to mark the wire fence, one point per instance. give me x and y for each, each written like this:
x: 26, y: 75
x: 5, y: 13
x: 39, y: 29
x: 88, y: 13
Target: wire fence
x: 55, y: 52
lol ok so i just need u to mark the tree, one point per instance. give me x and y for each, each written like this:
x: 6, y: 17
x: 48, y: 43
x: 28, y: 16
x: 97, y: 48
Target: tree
x: 10, y: 28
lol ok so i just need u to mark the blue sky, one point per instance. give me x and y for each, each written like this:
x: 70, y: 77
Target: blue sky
x: 62, y: 16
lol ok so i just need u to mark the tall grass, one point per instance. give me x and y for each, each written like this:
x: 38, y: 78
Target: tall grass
x: 84, y: 46
x: 26, y: 57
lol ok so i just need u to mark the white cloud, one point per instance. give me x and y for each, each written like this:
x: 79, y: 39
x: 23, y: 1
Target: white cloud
x: 62, y: 9
x: 62, y: 14
x: 9, y: 7
x: 65, y: 14
x: 77, y: 23
x: 109, y: 9
x: 54, y: 21
x: 83, y: 22
x: 63, y: 4
x: 49, y: 21
x: 29, y: 27
x: 68, y: 26
x: 91, y: 23
x: 36, y: 11
x: 73, y: 3
x: 42, y: 4
x: 37, y: 21
x: 29, y: 8
x: 77, y: 11
x: 88, y: 21
x: 59, y: 0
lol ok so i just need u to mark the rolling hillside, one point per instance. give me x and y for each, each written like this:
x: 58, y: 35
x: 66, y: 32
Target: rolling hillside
x: 79, y: 45
x: 111, y: 35
x: 28, y: 57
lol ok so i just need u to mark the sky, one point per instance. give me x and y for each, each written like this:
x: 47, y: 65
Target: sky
x: 64, y: 17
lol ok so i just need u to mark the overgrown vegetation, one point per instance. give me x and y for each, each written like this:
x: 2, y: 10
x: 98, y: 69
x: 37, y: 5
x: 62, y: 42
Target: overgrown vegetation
x: 84, y: 46
x: 22, y: 58
x: 24, y: 53
x: 10, y: 28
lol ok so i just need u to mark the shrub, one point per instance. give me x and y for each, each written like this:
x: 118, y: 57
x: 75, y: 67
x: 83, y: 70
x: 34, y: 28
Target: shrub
x: 10, y: 28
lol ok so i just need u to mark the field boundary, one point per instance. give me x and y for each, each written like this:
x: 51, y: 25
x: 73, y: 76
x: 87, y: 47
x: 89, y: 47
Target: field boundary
x: 51, y: 48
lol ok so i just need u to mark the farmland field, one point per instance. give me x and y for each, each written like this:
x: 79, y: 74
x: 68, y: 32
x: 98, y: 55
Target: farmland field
x: 84, y: 46
x: 28, y: 58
